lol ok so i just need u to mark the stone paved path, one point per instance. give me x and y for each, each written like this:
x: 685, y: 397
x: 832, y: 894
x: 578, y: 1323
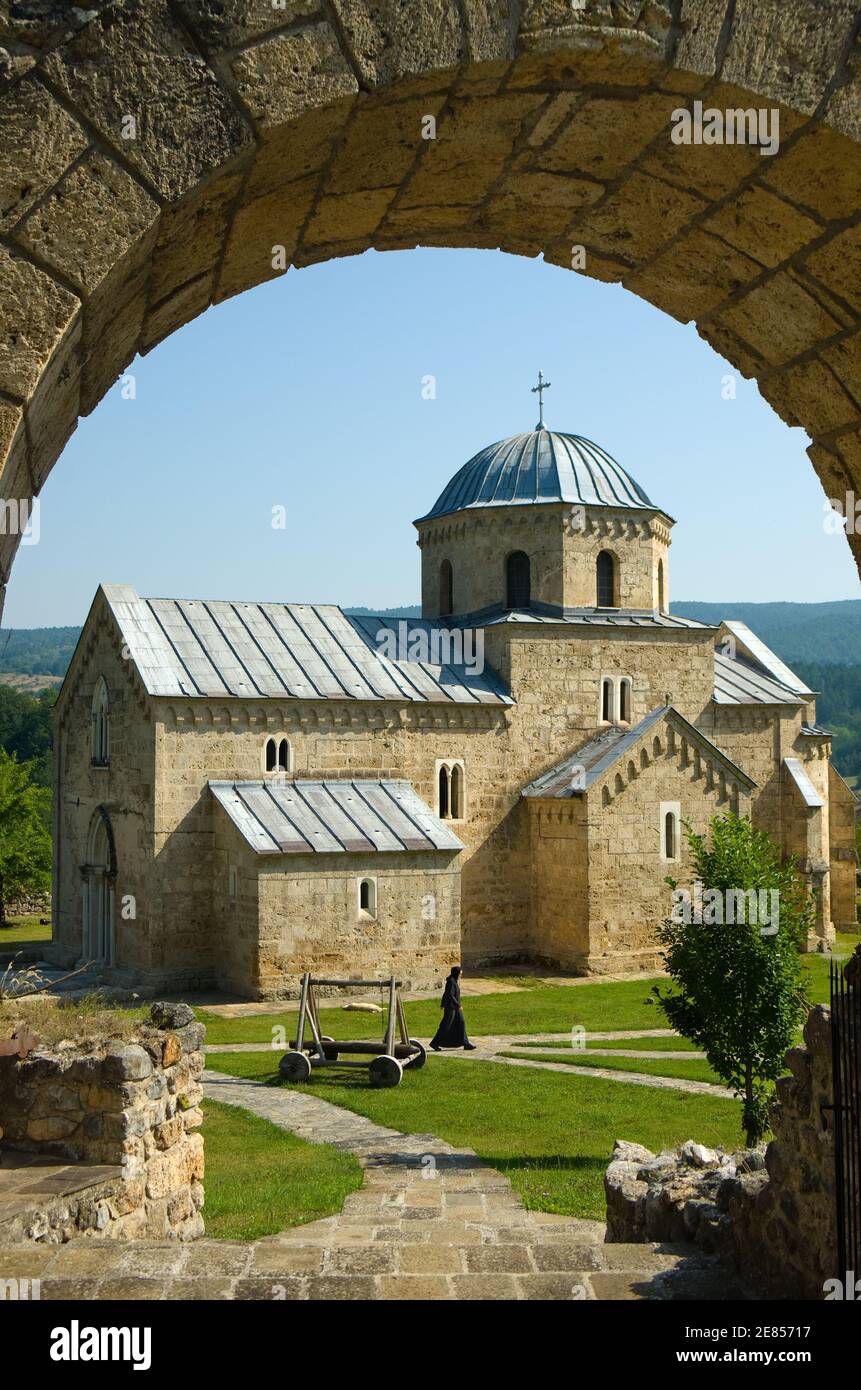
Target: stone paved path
x: 461, y: 1233
x: 489, y: 1050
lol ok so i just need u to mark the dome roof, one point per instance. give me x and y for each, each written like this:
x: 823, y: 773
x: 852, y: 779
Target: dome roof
x: 541, y: 466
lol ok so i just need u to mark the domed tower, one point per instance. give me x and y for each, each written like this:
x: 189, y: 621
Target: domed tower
x: 543, y: 521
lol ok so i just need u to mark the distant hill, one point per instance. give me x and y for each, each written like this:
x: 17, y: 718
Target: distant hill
x: 826, y: 633
x: 37, y: 651
x: 820, y: 641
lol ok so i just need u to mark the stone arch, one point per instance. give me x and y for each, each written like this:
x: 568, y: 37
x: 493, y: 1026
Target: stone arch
x: 160, y: 156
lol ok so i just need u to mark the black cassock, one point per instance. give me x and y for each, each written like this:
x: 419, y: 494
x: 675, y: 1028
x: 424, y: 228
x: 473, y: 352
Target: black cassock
x: 452, y: 1030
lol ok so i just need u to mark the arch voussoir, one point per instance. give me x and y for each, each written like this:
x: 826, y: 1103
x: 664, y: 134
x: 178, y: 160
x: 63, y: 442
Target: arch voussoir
x: 266, y: 138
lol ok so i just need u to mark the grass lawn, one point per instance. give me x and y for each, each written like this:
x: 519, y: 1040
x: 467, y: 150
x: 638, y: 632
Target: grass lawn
x: 682, y: 1068
x: 23, y: 929
x: 260, y: 1179
x: 551, y: 1134
x: 603, y: 1006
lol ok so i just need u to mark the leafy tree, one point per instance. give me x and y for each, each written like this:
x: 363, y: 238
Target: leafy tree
x: 25, y: 844
x: 26, y: 729
x: 739, y: 991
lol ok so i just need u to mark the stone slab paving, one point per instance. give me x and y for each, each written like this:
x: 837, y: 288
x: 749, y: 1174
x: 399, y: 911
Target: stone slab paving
x: 430, y: 1222
x: 488, y: 1049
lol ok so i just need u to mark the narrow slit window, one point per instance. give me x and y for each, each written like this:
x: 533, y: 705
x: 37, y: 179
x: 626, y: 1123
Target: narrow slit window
x: 443, y: 793
x: 271, y: 755
x: 670, y: 835
x: 518, y: 580
x: 368, y: 897
x: 607, y: 700
x: 456, y: 786
x: 625, y: 701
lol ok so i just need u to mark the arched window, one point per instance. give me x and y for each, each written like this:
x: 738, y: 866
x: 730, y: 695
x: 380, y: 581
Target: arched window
x: 456, y: 789
x: 607, y: 699
x: 670, y: 815
x: 518, y: 584
x: 277, y: 755
x: 446, y: 589
x: 660, y: 586
x: 625, y: 700
x: 443, y: 793
x: 605, y: 574
x: 100, y: 735
x: 368, y: 896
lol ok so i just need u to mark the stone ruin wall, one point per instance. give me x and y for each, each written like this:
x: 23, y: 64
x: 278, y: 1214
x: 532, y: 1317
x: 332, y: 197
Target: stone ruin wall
x: 131, y: 1105
x: 771, y: 1214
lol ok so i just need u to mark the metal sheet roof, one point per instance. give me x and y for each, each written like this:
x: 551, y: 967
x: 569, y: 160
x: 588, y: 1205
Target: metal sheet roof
x: 332, y: 817
x: 740, y: 682
x: 809, y: 795
x: 765, y: 657
x: 579, y: 617
x: 540, y: 466
x: 599, y: 754
x: 300, y: 651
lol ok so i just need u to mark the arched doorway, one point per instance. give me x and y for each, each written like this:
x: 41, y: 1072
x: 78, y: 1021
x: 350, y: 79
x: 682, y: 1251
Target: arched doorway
x: 98, y: 938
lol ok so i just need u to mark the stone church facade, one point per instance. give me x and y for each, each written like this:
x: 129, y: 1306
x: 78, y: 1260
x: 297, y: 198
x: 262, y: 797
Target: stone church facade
x: 246, y: 791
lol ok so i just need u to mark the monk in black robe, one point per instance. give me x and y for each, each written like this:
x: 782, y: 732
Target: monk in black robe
x: 452, y: 1030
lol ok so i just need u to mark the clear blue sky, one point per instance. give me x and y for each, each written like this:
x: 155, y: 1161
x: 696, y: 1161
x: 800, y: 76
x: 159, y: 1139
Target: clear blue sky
x: 306, y: 393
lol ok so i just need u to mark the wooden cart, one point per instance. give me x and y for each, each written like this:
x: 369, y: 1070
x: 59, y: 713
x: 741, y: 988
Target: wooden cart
x: 386, y: 1060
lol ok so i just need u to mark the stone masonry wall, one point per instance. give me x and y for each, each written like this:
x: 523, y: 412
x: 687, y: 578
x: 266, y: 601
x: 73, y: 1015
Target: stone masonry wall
x: 770, y: 1215
x: 134, y: 1103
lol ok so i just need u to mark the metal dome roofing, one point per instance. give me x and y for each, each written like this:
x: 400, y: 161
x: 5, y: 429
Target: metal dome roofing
x: 541, y: 466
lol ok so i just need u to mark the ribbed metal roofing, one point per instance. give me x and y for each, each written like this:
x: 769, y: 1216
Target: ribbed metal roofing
x: 809, y: 795
x: 332, y: 817
x: 541, y: 466
x: 300, y: 651
x: 580, y: 617
x: 598, y: 755
x: 739, y: 682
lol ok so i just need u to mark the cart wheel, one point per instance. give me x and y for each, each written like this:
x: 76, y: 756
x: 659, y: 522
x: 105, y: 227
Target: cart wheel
x: 418, y: 1058
x: 385, y: 1071
x: 330, y: 1047
x: 294, y: 1066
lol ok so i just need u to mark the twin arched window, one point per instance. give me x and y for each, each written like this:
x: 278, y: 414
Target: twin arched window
x: 450, y: 799
x: 606, y: 580
x: 518, y: 580
x: 100, y: 750
x: 277, y: 755
x: 446, y: 589
x: 616, y: 700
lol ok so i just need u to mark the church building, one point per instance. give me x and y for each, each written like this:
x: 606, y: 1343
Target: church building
x: 245, y: 791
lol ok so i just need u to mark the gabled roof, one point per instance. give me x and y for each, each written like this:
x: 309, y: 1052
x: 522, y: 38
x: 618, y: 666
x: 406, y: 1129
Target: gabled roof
x: 332, y: 817
x: 741, y: 682
x: 753, y: 655
x: 808, y: 793
x: 301, y: 651
x: 599, y: 754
